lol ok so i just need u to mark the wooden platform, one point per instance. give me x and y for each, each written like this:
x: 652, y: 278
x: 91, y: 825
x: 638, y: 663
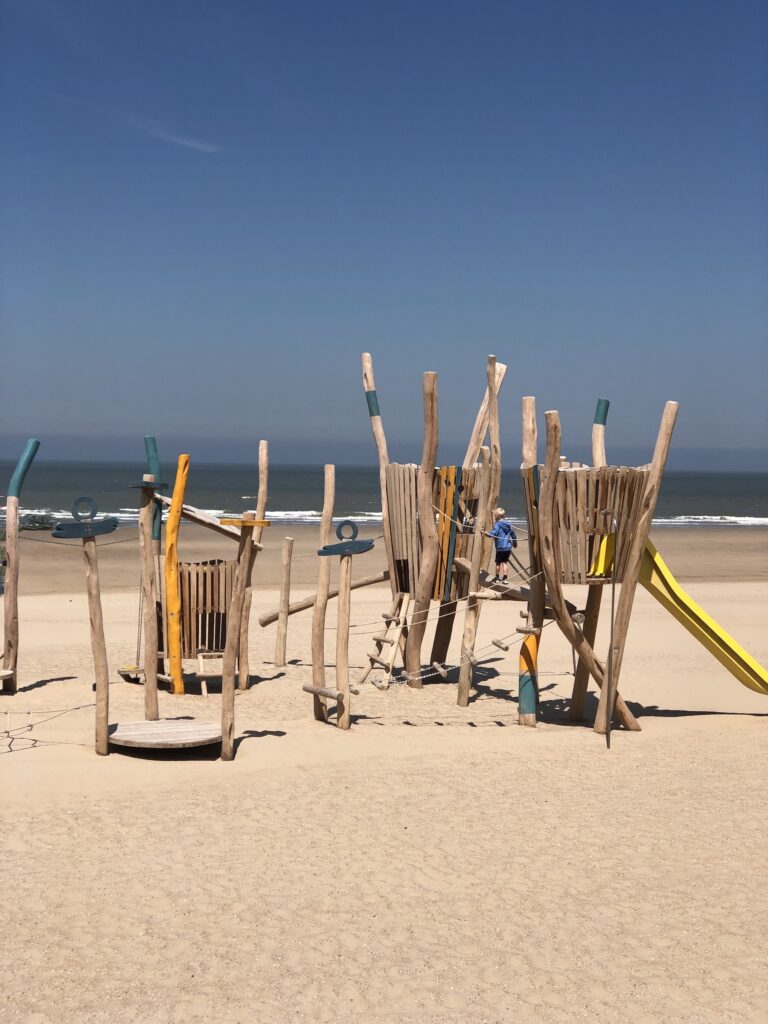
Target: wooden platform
x: 166, y: 734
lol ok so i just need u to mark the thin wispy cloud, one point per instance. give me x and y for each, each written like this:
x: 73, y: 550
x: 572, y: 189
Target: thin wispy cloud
x: 160, y: 131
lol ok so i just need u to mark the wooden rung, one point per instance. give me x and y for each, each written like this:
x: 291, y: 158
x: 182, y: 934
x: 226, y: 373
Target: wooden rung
x: 471, y: 657
x: 440, y: 669
x: 378, y: 661
x: 529, y: 630
x: 6, y: 673
x: 500, y: 644
x: 163, y: 678
x: 323, y: 691
x: 382, y: 638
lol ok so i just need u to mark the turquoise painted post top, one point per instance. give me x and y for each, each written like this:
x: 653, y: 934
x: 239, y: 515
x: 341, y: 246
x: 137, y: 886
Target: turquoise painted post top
x: 22, y: 466
x: 601, y: 412
x: 153, y: 467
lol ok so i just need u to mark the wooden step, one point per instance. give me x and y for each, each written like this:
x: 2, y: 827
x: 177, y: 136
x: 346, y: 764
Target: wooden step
x: 529, y: 630
x: 382, y: 638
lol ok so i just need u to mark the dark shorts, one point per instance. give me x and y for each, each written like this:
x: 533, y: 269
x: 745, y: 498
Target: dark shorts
x: 502, y: 557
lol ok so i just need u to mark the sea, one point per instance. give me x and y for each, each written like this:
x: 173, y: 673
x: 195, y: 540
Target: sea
x: 688, y: 499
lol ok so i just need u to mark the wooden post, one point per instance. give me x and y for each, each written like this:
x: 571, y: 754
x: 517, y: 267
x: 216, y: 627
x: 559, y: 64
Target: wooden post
x: 595, y: 594
x: 548, y: 549
x: 172, y: 594
x: 377, y: 426
x: 428, y: 532
x: 153, y: 468
x: 285, y: 595
x: 243, y: 661
x: 632, y: 566
x: 98, y: 645
x: 232, y: 644
x: 342, y: 642
x: 528, y: 679
x: 530, y: 436
x: 146, y: 517
x: 321, y: 597
x: 494, y: 439
x: 11, y: 594
x: 480, y: 429
x: 472, y: 614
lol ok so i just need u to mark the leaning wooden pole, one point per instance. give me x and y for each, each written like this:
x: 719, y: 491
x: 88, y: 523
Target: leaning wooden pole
x: 11, y: 594
x: 480, y: 429
x: 494, y: 445
x: 472, y: 613
x: 528, y: 679
x: 146, y: 516
x: 153, y: 468
x: 305, y: 603
x: 172, y: 591
x: 319, y: 702
x: 632, y: 566
x: 232, y: 643
x: 551, y: 568
x: 98, y: 645
x: 427, y: 533
x: 595, y: 594
x: 285, y: 597
x: 243, y: 660
x: 377, y: 427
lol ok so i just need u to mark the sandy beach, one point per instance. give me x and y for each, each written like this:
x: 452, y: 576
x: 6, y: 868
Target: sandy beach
x: 434, y: 864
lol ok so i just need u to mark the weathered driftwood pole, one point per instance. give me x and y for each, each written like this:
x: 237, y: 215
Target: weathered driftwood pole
x: 232, y: 644
x: 447, y: 615
x: 320, y: 705
x: 632, y: 567
x: 377, y: 427
x: 243, y: 661
x: 595, y: 592
x: 548, y: 548
x: 172, y: 592
x: 528, y: 682
x: 472, y: 614
x: 98, y: 644
x: 146, y: 517
x: 11, y: 595
x: 342, y: 641
x: 285, y: 596
x: 153, y: 468
x: 494, y: 439
x: 427, y: 532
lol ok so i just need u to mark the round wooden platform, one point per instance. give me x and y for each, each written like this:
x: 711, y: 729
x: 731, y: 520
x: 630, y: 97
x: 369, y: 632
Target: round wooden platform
x: 166, y: 734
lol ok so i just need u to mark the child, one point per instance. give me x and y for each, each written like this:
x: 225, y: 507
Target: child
x: 505, y: 539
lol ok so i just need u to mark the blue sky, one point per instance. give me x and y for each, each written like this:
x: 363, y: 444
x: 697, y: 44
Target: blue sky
x: 210, y: 209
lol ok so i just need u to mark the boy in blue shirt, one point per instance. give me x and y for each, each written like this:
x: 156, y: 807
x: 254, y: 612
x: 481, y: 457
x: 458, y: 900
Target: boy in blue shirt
x: 505, y: 539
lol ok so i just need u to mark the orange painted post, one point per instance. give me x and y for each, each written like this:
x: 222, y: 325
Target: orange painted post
x: 172, y: 592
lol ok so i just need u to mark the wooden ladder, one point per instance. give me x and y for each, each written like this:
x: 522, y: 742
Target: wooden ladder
x: 396, y: 622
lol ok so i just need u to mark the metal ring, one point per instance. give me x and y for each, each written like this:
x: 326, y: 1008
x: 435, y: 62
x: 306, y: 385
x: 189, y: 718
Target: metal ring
x: 79, y: 513
x: 346, y: 524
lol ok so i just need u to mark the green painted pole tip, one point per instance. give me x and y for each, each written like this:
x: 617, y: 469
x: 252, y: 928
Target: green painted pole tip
x: 601, y: 412
x: 22, y: 466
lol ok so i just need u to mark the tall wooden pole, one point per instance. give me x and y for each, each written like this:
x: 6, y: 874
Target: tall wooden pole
x: 98, y: 645
x: 146, y: 516
x: 377, y: 427
x: 11, y: 595
x: 232, y: 644
x: 595, y: 593
x: 285, y: 597
x: 632, y: 566
x: 427, y: 531
x: 528, y: 680
x: 494, y: 439
x: 172, y: 592
x: 153, y: 468
x: 321, y: 597
x: 472, y: 613
x: 243, y: 661
x: 342, y: 641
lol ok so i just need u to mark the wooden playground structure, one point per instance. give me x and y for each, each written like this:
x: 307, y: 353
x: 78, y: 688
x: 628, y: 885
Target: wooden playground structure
x: 587, y: 525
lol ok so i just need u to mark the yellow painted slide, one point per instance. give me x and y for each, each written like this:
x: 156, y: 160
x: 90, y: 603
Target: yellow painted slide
x: 659, y: 581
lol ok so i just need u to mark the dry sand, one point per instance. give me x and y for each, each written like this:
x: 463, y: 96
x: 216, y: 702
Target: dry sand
x: 433, y: 864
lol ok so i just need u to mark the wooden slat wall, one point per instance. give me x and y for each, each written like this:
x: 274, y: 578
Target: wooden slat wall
x: 206, y: 590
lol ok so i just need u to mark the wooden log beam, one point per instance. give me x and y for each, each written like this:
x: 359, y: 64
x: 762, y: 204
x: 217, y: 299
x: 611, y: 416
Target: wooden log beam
x: 589, y: 629
x: 285, y: 597
x: 472, y: 614
x: 146, y: 518
x: 196, y: 515
x: 243, y: 659
x: 642, y: 529
x: 427, y: 531
x: 319, y: 707
x: 323, y: 691
x: 308, y: 602
x: 11, y: 594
